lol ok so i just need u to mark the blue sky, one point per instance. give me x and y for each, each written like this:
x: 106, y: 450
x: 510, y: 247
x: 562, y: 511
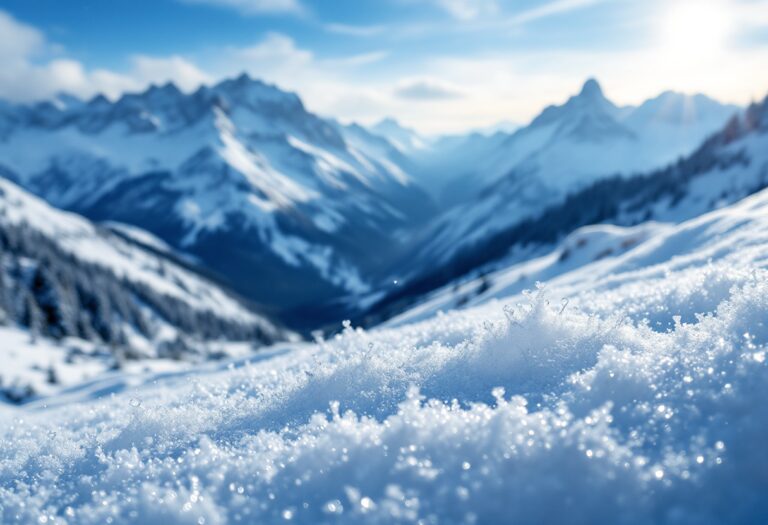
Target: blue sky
x: 439, y: 65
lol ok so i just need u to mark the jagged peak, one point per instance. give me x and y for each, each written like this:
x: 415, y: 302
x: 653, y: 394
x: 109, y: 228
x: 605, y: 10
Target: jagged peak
x: 392, y: 124
x: 242, y: 81
x: 590, y: 100
x: 592, y: 89
x: 99, y: 100
x: 169, y: 88
x: 244, y: 78
x: 389, y: 121
x: 247, y: 89
x: 67, y: 99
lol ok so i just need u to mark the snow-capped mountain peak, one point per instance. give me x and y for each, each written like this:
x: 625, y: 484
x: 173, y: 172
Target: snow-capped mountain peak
x: 592, y: 89
x: 169, y: 90
x: 247, y: 90
x: 586, y: 116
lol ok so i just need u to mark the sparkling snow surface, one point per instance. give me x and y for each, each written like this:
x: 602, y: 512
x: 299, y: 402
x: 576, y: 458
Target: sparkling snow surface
x: 629, y: 390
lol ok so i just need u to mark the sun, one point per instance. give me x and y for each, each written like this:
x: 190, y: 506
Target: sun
x: 695, y: 30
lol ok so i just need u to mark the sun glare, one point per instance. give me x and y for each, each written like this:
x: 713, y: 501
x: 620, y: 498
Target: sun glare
x: 695, y: 30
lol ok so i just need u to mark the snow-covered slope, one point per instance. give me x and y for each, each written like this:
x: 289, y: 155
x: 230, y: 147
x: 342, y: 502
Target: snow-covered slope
x: 52, y: 369
x: 239, y: 175
x: 585, y: 246
x: 628, y: 390
x: 61, y: 276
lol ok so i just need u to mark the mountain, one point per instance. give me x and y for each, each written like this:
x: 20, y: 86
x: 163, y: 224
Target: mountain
x: 570, y: 145
x: 503, y: 179
x: 269, y: 197
x: 726, y: 167
x: 63, y: 277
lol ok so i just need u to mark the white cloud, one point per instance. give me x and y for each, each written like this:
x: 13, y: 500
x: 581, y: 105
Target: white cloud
x: 276, y: 50
x: 427, y: 89
x: 18, y: 40
x: 255, y: 7
x: 31, y: 70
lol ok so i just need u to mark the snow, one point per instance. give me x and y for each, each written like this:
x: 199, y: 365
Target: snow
x: 627, y: 390
x: 36, y: 367
x: 592, y: 247
x: 279, y: 190
x: 27, y: 362
x: 142, y: 237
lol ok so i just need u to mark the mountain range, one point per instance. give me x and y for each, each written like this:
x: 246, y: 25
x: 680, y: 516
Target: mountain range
x: 728, y: 166
x: 503, y: 179
x: 240, y: 175
x: 314, y: 220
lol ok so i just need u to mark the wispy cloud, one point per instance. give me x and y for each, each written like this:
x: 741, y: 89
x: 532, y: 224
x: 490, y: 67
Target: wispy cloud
x: 256, y: 7
x: 275, y: 49
x: 355, y: 30
x: 362, y: 59
x: 551, y: 9
x: 426, y: 89
x: 467, y: 9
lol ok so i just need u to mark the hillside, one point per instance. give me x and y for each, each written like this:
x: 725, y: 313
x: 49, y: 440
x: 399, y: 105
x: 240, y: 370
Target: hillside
x: 104, y: 297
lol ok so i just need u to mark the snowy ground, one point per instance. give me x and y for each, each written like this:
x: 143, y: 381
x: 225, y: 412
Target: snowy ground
x: 628, y: 390
x: 36, y: 368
